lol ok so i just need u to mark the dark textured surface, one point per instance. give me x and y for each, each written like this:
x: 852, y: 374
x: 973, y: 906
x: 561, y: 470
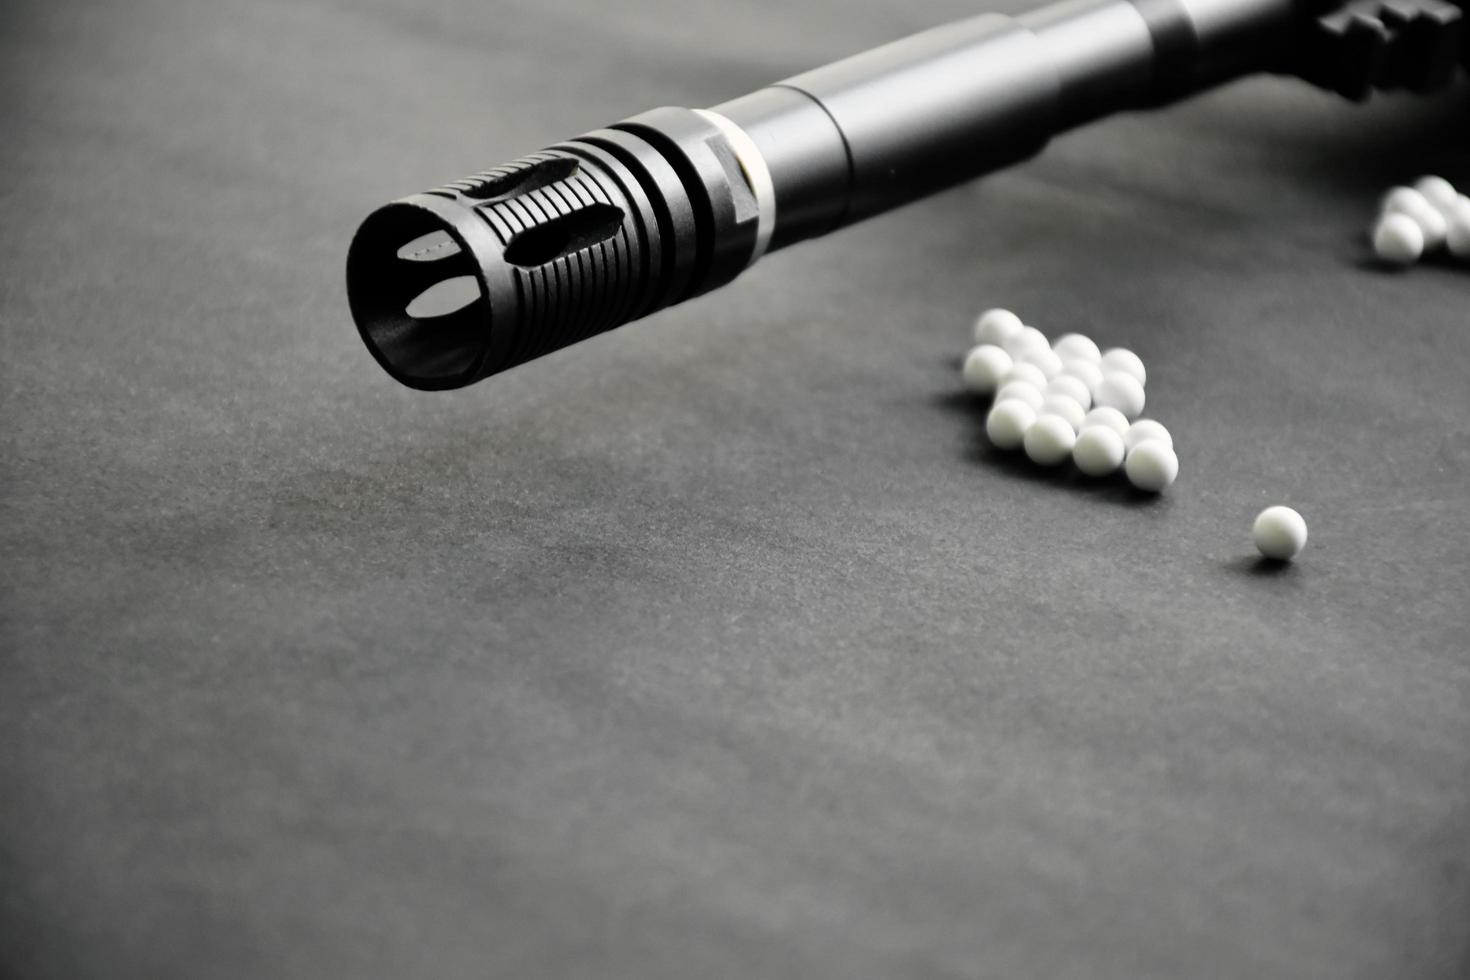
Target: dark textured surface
x: 718, y: 646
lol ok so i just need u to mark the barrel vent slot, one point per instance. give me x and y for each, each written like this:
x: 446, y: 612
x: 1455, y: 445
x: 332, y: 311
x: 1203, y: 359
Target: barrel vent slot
x: 429, y: 248
x: 564, y: 235
x: 444, y: 297
x: 524, y: 180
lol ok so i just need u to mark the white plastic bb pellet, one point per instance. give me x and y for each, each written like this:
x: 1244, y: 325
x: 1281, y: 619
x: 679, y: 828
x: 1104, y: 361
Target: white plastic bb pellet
x: 1023, y: 391
x: 1147, y: 429
x: 1151, y: 466
x: 1077, y: 345
x: 1098, y: 451
x: 1438, y: 192
x: 1073, y: 388
x: 1121, y: 391
x: 985, y: 367
x: 1123, y: 359
x: 1085, y: 371
x: 1066, y: 407
x: 1027, y: 372
x: 1414, y: 205
x: 1008, y: 421
x: 1280, y: 533
x: 1046, y: 359
x: 1049, y: 440
x: 1026, y: 339
x: 1398, y: 239
x: 1108, y: 416
x: 996, y: 327
x: 1457, y: 237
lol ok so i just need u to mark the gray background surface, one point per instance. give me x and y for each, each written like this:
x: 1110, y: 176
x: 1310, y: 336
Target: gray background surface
x: 718, y: 646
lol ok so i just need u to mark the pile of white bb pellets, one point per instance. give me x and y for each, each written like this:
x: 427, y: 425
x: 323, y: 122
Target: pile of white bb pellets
x: 1415, y: 221
x: 1071, y: 400
x: 1068, y: 400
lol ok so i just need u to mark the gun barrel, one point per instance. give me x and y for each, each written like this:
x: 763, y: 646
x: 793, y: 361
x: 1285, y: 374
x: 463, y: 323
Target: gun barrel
x: 882, y: 128
x: 460, y: 282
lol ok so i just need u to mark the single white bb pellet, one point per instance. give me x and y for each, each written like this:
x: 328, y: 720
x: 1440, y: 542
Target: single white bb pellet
x: 1151, y: 466
x: 1098, y: 451
x: 1022, y: 390
x: 1416, y: 207
x: 1073, y: 388
x: 1049, y: 440
x: 1108, y: 416
x: 1077, y: 345
x: 996, y: 327
x: 1027, y: 372
x: 1026, y: 339
x: 1147, y: 429
x: 1123, y: 359
x: 1280, y: 533
x: 1085, y: 371
x: 1435, y: 226
x: 1398, y: 239
x: 1457, y: 238
x: 1046, y: 359
x: 1438, y: 192
x: 1402, y: 199
x: 1066, y: 407
x: 1122, y: 391
x: 1008, y: 421
x: 985, y: 367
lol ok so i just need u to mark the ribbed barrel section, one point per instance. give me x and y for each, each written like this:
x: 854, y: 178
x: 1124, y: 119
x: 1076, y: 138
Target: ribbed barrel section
x: 487, y: 272
x: 498, y: 268
x: 574, y: 247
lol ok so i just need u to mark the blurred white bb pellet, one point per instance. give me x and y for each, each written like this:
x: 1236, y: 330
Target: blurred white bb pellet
x: 1398, y: 239
x: 1077, y: 345
x: 1026, y: 339
x: 1021, y: 391
x: 1121, y: 391
x: 1085, y: 371
x: 1027, y: 372
x: 1049, y: 440
x: 1008, y: 421
x: 1123, y: 359
x: 1457, y: 238
x: 1066, y: 407
x: 996, y: 327
x: 1098, y: 451
x: 1147, y: 429
x: 1437, y: 191
x: 985, y: 367
x: 1415, y: 206
x: 1151, y: 466
x: 1047, y: 360
x: 1073, y: 388
x: 1108, y: 416
x: 1403, y: 200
